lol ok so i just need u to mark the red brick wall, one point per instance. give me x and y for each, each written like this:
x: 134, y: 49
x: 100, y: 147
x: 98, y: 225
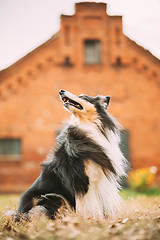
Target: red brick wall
x: 30, y: 108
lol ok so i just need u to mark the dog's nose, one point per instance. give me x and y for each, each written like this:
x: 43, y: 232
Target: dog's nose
x: 61, y: 91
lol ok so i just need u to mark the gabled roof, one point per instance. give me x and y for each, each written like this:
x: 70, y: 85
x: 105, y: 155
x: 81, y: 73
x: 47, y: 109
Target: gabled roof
x: 3, y: 73
x: 6, y: 72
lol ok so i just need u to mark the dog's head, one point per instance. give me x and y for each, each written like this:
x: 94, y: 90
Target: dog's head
x: 85, y: 107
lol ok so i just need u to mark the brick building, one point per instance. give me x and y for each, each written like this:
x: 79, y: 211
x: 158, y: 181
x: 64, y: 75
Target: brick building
x: 90, y: 54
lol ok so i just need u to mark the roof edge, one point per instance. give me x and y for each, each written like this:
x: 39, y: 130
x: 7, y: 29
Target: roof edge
x: 142, y: 49
x: 29, y: 54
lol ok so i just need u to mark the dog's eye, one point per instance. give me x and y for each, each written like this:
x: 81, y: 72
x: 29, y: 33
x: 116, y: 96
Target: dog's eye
x: 81, y: 96
x: 87, y: 98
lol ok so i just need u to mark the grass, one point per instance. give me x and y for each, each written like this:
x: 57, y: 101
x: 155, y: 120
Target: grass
x: 9, y: 201
x: 128, y: 193
x: 139, y: 219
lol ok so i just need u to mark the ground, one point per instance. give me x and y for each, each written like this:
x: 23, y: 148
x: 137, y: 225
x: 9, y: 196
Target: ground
x: 139, y: 219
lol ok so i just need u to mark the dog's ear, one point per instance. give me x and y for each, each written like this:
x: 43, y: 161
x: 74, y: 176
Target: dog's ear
x: 108, y: 100
x: 105, y: 100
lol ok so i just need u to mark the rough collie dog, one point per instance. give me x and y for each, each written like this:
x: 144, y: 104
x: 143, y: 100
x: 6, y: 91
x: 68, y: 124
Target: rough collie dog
x: 85, y: 167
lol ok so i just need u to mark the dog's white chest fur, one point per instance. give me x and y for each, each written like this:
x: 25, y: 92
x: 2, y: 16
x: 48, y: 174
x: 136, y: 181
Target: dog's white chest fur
x: 102, y: 197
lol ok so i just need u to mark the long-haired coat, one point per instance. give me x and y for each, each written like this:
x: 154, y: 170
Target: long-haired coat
x: 86, y: 165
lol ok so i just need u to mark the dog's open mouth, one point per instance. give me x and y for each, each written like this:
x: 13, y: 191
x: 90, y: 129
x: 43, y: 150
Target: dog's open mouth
x: 72, y: 103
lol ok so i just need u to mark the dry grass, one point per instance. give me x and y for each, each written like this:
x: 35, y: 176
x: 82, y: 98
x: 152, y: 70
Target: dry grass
x: 9, y: 202
x: 140, y: 219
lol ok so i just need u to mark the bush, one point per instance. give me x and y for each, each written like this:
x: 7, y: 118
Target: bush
x: 141, y: 179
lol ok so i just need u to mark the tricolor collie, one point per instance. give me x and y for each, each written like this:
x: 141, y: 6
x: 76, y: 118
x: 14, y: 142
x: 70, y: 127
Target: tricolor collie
x: 85, y: 167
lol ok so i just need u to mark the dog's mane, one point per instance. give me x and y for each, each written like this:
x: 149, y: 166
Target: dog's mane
x: 72, y: 150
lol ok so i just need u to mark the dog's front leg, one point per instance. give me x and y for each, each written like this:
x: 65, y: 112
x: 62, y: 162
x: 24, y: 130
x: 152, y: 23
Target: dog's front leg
x: 88, y: 204
x: 26, y: 203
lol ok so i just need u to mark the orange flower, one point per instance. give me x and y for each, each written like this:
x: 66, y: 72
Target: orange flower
x: 140, y: 179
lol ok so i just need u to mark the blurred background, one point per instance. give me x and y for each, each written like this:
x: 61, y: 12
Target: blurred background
x: 109, y: 48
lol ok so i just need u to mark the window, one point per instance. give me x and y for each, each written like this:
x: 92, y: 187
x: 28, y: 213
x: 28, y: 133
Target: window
x: 9, y: 146
x: 124, y: 145
x: 92, y: 51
